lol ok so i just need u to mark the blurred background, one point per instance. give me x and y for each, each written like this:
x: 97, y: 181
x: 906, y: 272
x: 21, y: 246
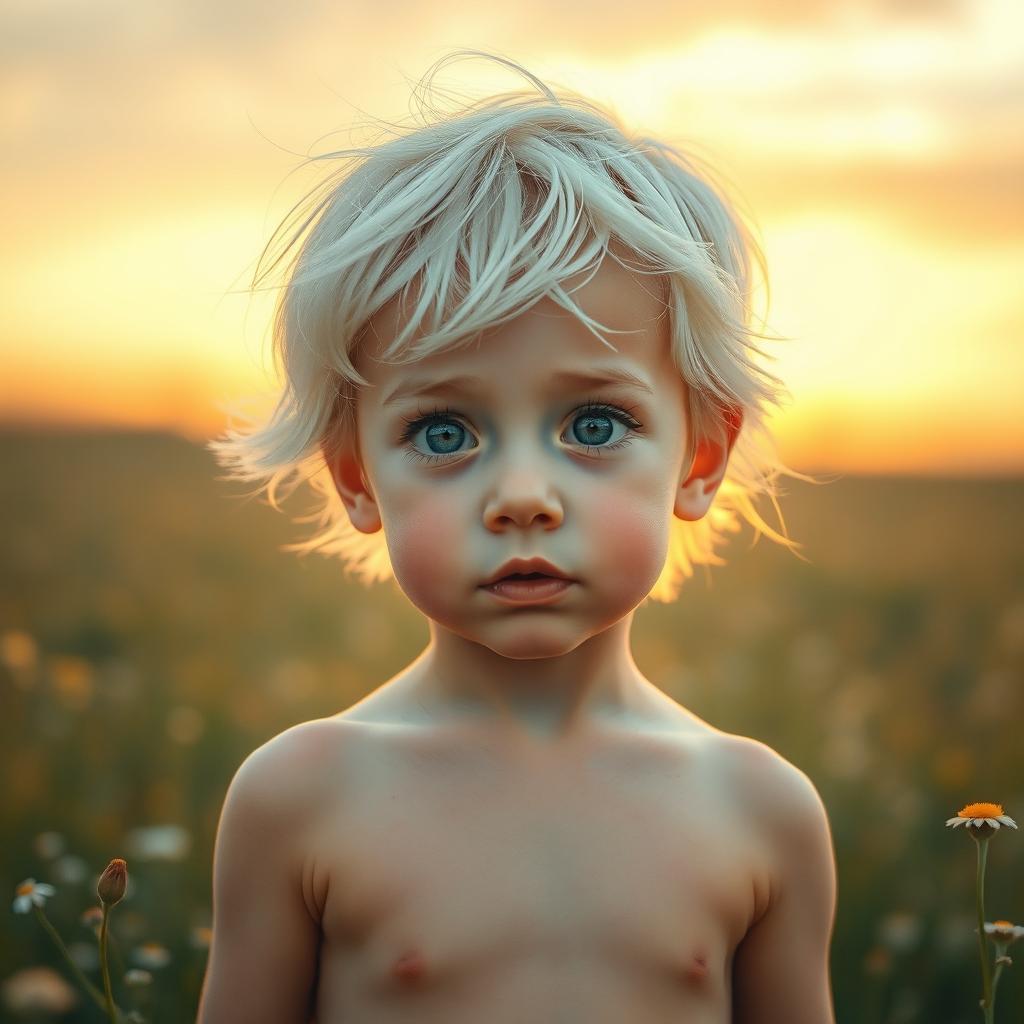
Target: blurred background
x: 153, y: 632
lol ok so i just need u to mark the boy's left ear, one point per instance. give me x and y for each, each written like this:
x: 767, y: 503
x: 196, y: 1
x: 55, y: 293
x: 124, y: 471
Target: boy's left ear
x: 706, y: 472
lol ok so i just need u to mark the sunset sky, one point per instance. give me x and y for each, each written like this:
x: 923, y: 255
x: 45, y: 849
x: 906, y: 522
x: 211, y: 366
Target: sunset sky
x: 878, y: 147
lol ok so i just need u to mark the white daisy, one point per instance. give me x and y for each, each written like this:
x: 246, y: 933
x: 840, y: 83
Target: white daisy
x: 30, y: 891
x: 1005, y: 931
x: 979, y: 815
x: 152, y: 955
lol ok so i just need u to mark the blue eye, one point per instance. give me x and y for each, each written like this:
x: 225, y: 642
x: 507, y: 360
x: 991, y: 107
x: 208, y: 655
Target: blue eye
x: 596, y: 425
x: 445, y: 430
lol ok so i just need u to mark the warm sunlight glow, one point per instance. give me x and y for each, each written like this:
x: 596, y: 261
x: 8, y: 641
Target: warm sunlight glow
x: 879, y: 157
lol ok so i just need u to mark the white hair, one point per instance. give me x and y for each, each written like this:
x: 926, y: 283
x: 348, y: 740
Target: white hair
x: 483, y: 212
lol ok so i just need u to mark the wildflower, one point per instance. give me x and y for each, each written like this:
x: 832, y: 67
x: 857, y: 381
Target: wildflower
x: 73, y: 681
x: 877, y: 961
x: 31, y: 892
x: 85, y: 955
x: 92, y: 918
x: 984, y: 819
x: 900, y: 931
x: 954, y: 934
x: 49, y: 845
x: 110, y: 889
x: 32, y: 984
x: 19, y: 653
x: 38, y: 990
x: 70, y: 869
x: 1005, y: 932
x: 152, y: 954
x: 113, y: 882
x: 160, y: 842
x: 134, y: 925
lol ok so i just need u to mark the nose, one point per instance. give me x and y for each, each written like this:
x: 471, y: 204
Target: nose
x: 522, y: 497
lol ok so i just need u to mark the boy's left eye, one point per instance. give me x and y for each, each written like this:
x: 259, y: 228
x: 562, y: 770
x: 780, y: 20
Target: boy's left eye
x: 592, y: 425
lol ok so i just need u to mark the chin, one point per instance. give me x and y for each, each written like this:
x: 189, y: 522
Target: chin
x: 530, y: 641
x: 530, y: 650
x: 524, y: 639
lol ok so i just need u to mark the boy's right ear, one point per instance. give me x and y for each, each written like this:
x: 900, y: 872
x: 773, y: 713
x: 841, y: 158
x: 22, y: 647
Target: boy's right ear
x: 353, y: 488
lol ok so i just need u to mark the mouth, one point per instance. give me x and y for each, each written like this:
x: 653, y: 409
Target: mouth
x: 528, y: 588
x: 525, y: 577
x: 524, y: 570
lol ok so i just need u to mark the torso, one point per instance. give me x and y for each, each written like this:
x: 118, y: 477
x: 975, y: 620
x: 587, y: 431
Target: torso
x: 455, y: 884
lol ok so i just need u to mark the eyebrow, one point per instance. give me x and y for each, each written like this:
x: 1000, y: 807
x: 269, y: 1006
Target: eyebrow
x: 599, y: 375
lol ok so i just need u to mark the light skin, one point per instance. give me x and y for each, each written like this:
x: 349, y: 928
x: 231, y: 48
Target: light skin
x: 519, y: 825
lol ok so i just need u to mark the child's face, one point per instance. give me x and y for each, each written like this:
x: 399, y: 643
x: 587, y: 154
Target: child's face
x: 506, y: 472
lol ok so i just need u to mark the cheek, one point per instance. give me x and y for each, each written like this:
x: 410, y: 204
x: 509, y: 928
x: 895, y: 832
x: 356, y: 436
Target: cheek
x: 425, y: 542
x: 632, y: 537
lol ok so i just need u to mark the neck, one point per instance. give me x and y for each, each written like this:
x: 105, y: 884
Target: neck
x: 537, y: 699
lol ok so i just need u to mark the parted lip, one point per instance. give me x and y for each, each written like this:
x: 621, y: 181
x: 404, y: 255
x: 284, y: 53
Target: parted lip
x: 526, y: 566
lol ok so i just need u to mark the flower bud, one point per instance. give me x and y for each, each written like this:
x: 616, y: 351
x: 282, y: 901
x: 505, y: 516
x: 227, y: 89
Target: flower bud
x: 113, y: 882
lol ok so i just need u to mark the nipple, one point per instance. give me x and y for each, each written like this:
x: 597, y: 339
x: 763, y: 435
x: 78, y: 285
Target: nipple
x: 409, y: 968
x: 697, y: 968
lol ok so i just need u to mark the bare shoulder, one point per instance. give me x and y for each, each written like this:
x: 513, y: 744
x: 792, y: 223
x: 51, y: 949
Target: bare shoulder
x: 781, y: 967
x: 770, y: 786
x: 266, y: 908
x: 777, y: 798
x: 286, y: 775
x: 297, y: 748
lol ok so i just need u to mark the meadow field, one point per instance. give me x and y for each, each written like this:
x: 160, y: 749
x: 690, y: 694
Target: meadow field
x: 152, y: 633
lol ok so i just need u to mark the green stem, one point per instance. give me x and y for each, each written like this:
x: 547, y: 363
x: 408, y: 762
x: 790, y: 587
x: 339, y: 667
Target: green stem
x: 89, y: 987
x: 118, y: 959
x: 106, y: 970
x: 986, y: 978
x: 995, y: 983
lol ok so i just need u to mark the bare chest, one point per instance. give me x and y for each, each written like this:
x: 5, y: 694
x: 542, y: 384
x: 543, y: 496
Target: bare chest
x: 458, y: 872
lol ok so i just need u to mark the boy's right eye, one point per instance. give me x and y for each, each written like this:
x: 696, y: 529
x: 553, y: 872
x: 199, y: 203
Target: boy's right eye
x: 441, y: 428
x: 442, y: 431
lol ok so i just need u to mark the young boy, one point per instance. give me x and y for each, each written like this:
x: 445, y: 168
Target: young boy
x: 518, y: 370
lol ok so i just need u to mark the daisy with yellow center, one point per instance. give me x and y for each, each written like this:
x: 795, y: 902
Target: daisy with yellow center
x: 977, y: 816
x: 1004, y: 934
x: 30, y: 893
x: 1005, y: 931
x: 152, y: 955
x: 982, y: 821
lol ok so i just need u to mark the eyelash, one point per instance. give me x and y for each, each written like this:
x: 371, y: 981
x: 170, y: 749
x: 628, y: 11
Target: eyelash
x: 591, y: 405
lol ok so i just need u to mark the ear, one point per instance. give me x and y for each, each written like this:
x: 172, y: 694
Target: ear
x: 706, y: 472
x: 353, y: 488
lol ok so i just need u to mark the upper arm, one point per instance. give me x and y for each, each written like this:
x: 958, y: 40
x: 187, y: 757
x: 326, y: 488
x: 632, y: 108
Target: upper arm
x: 264, y: 951
x: 781, y: 967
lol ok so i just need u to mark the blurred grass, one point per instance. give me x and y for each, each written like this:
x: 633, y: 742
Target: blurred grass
x: 152, y: 634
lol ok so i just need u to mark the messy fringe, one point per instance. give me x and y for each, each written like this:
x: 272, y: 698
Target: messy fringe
x: 481, y: 213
